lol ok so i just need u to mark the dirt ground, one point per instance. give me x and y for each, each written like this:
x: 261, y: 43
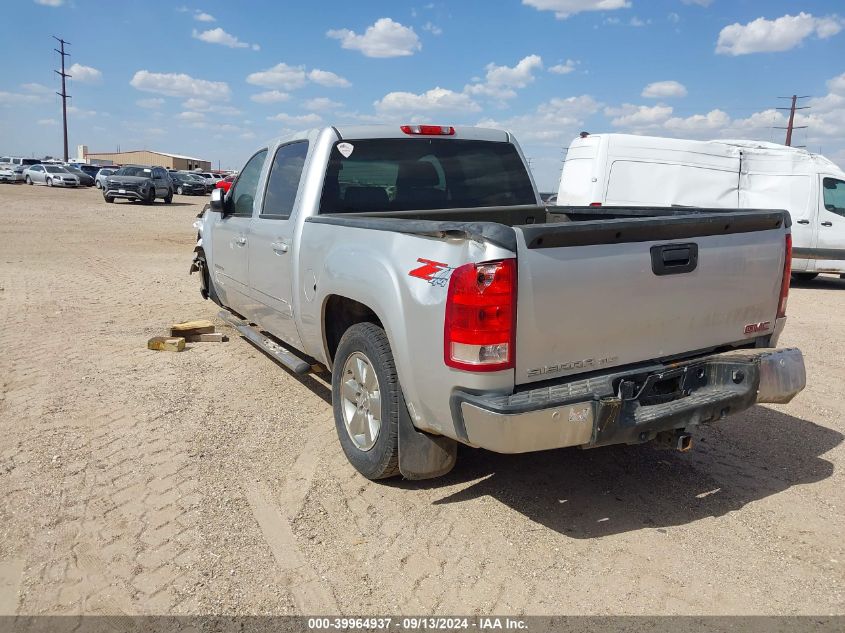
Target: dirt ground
x: 211, y: 481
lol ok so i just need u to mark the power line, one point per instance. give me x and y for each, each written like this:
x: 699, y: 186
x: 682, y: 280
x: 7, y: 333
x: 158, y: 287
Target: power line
x: 790, y: 125
x: 63, y: 94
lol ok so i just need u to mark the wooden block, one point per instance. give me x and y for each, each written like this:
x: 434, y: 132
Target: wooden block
x: 192, y: 327
x: 166, y: 343
x: 214, y: 337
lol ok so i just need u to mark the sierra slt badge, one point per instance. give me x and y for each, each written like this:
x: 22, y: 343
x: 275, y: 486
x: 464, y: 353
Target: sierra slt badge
x: 586, y: 363
x: 753, y: 328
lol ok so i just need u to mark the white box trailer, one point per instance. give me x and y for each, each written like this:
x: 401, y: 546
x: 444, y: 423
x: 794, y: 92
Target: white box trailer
x: 625, y: 170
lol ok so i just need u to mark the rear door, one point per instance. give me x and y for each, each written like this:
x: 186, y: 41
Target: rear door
x: 271, y: 256
x: 831, y: 226
x: 230, y: 244
x: 591, y: 299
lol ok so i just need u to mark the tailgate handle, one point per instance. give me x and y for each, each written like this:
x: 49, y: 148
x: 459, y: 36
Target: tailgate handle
x: 674, y: 259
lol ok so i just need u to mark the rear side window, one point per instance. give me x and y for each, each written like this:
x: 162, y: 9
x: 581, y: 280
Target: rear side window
x: 243, y: 193
x: 420, y: 174
x: 283, y: 182
x: 834, y: 195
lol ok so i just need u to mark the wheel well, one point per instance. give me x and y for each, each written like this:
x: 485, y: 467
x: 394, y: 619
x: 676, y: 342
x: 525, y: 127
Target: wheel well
x: 339, y: 315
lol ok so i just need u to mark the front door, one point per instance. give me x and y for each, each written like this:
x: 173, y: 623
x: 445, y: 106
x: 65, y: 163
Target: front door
x: 271, y: 250
x: 831, y: 226
x: 230, y: 243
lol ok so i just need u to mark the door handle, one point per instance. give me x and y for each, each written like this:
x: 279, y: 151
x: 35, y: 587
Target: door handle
x: 803, y: 221
x: 279, y: 247
x: 827, y: 223
x: 240, y: 241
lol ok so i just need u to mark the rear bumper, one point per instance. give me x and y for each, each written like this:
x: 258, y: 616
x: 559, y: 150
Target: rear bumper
x: 631, y: 406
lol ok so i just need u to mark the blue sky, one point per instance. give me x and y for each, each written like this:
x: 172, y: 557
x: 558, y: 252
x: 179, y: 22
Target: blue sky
x: 212, y: 79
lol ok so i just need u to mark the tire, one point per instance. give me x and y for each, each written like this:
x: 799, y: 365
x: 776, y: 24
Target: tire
x: 28, y: 180
x: 180, y: 191
x: 97, y: 184
x: 804, y: 276
x: 49, y: 182
x: 169, y: 197
x: 151, y: 197
x: 374, y: 458
x: 107, y: 199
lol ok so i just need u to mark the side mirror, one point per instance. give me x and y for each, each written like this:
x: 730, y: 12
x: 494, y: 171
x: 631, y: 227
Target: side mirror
x: 218, y: 202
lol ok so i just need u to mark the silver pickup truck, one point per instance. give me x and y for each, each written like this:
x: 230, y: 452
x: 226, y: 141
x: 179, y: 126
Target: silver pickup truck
x: 418, y: 265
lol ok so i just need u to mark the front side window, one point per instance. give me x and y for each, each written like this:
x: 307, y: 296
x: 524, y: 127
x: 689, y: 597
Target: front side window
x: 283, y: 181
x: 834, y: 195
x: 419, y: 174
x: 57, y: 170
x: 243, y: 193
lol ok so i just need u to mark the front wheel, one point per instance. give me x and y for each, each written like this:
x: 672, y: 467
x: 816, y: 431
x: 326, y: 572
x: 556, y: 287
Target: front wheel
x: 179, y: 190
x: 366, y: 400
x: 169, y: 197
x: 98, y: 185
x: 151, y: 196
x: 28, y: 180
x: 49, y: 182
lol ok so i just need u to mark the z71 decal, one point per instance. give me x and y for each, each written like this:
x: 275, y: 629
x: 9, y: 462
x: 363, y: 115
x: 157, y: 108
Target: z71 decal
x: 435, y: 273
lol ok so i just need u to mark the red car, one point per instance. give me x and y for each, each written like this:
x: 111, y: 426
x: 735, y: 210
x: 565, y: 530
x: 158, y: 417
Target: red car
x: 225, y: 183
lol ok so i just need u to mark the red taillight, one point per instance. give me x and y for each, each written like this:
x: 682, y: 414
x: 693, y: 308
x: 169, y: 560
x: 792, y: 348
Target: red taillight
x: 432, y: 130
x: 787, y: 271
x: 595, y: 204
x: 480, y: 328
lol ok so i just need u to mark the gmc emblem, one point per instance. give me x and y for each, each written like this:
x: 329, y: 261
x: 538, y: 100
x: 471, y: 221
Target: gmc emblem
x: 753, y: 328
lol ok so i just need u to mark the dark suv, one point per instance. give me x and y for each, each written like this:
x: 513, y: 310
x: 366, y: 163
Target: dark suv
x: 139, y: 182
x: 186, y: 184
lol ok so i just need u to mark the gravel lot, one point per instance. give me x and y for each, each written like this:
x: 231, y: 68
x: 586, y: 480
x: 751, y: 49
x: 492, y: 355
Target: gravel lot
x: 211, y: 481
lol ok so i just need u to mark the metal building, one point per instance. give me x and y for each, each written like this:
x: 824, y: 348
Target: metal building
x: 146, y: 157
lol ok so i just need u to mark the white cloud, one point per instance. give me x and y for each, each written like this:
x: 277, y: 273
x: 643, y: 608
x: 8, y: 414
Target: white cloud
x: 47, y: 121
x: 713, y: 120
x: 664, y: 90
x: 271, y: 96
x: 151, y: 104
x: 385, y: 38
x: 279, y: 76
x: 221, y: 37
x: 50, y: 3
x: 321, y: 103
x: 565, y: 68
x: 302, y: 119
x: 436, y: 100
x: 202, y: 105
x: 501, y: 82
x: 328, y: 79
x: 633, y: 116
x: 201, y: 16
x: 701, y: 3
x: 79, y: 112
x: 191, y: 116
x: 837, y: 85
x: 551, y: 123
x: 565, y: 8
x: 37, y: 88
x: 432, y: 28
x: 180, y: 85
x: 85, y: 74
x: 16, y: 98
x: 782, y: 34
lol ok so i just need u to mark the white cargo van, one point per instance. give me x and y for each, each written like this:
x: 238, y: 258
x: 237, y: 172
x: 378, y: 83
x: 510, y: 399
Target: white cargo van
x: 623, y: 169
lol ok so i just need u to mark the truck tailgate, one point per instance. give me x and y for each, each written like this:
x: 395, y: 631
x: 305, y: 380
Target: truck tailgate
x: 599, y: 294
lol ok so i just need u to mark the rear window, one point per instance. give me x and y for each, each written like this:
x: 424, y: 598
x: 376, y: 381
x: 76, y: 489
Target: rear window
x: 419, y: 174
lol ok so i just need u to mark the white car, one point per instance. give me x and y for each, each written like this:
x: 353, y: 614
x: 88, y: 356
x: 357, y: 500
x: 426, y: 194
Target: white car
x: 11, y: 173
x: 50, y: 175
x: 211, y: 179
x: 102, y: 176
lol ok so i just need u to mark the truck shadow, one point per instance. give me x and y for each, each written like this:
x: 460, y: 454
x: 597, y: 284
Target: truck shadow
x: 821, y: 282
x: 594, y: 493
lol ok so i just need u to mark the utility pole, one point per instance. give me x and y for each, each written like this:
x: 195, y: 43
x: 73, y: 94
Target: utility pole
x: 791, y: 125
x: 63, y: 94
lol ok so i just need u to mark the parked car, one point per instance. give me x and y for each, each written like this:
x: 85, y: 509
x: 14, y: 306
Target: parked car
x: 211, y: 179
x: 19, y: 160
x: 200, y: 179
x: 50, y: 175
x: 84, y: 179
x: 11, y: 173
x: 91, y: 170
x: 420, y: 266
x: 186, y: 184
x: 102, y: 174
x: 139, y: 182
x: 226, y: 183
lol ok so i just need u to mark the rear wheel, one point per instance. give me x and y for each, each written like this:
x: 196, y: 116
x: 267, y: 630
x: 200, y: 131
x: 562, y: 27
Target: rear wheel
x: 804, y: 276
x: 365, y: 398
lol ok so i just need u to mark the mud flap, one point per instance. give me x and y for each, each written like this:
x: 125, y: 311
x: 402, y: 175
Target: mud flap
x: 423, y: 456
